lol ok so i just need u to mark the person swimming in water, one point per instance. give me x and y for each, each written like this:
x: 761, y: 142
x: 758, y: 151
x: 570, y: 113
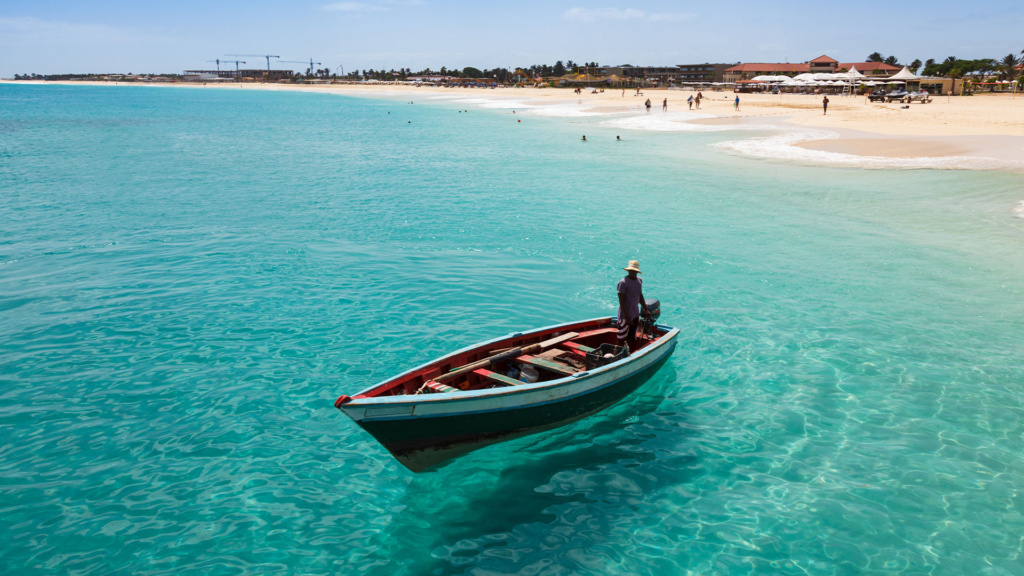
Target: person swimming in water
x: 584, y: 137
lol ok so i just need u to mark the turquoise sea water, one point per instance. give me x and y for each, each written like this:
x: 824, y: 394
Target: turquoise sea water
x: 188, y: 278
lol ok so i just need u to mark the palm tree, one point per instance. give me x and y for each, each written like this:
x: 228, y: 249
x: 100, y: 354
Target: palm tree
x: 892, y: 61
x: 876, y: 57
x: 1008, y: 66
x: 915, y: 65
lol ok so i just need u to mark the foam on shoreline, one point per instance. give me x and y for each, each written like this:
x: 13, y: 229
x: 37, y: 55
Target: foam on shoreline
x: 679, y: 122
x: 784, y: 147
x: 554, y: 110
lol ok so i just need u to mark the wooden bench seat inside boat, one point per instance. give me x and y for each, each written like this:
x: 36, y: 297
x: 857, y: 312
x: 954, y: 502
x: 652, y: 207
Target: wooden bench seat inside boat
x: 580, y: 347
x: 552, y: 354
x: 499, y: 378
x: 549, y: 365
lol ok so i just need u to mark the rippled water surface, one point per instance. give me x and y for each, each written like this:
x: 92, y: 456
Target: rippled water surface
x: 189, y: 277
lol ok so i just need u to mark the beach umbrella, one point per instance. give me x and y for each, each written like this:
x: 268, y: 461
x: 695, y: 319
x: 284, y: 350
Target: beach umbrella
x: 770, y: 78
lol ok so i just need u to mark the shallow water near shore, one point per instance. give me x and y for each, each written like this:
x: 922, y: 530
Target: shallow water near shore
x: 189, y: 278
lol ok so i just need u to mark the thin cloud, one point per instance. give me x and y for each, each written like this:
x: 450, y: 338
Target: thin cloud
x: 590, y: 15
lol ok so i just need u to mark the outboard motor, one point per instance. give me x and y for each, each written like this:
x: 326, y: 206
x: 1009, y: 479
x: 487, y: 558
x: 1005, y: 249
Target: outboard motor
x: 655, y: 308
x: 647, y: 324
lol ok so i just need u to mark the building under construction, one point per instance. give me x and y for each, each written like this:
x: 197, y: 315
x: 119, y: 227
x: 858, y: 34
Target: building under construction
x: 251, y: 75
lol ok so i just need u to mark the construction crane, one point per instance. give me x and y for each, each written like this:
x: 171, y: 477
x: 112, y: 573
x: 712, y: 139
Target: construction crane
x: 311, y: 63
x: 218, y: 61
x: 267, y: 56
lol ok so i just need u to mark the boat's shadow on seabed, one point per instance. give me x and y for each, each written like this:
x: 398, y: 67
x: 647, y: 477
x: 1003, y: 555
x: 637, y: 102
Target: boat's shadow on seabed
x: 490, y: 492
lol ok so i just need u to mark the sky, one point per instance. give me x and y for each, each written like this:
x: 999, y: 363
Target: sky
x: 157, y: 36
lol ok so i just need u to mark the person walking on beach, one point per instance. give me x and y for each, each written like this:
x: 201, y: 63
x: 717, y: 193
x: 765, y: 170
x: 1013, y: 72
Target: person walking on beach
x: 737, y: 107
x: 697, y: 100
x: 648, y: 104
x: 631, y: 295
x: 664, y: 105
x: 824, y: 104
x: 690, y: 101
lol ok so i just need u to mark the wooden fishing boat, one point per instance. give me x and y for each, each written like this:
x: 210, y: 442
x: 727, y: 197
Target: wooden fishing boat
x: 477, y: 396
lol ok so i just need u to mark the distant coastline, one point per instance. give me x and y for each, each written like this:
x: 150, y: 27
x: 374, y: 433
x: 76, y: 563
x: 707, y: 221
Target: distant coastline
x: 947, y: 133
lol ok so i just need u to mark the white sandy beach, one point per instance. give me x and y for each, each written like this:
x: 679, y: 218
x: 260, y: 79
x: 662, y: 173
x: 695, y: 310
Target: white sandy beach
x: 985, y: 131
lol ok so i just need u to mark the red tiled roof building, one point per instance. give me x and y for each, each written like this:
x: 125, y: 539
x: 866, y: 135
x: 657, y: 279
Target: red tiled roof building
x: 822, y: 63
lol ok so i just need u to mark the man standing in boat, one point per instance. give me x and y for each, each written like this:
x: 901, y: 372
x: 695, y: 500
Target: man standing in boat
x: 630, y: 297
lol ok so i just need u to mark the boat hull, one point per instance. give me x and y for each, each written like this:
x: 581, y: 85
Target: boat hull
x: 422, y: 443
x: 422, y: 431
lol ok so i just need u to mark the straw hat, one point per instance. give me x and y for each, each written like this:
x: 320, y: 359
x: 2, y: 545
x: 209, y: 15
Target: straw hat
x: 634, y: 266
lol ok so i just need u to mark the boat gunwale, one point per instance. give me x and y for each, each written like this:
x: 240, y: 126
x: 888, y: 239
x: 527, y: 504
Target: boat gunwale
x: 462, y: 395
x: 399, y: 417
